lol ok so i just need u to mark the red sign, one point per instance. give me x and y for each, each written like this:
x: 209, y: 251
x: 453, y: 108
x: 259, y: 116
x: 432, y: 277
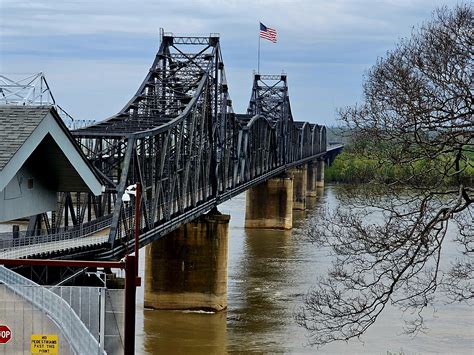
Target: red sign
x: 5, y: 334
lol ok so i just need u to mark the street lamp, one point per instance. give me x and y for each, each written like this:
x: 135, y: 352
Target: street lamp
x: 135, y: 190
x: 130, y: 297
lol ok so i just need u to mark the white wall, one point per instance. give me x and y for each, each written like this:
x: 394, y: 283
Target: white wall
x: 19, y: 200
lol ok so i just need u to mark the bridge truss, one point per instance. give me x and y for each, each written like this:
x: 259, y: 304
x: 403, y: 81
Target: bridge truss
x: 180, y: 138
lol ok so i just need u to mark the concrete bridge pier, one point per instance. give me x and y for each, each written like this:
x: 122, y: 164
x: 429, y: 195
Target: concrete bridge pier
x: 311, y: 180
x: 320, y: 173
x: 269, y: 205
x: 187, y: 269
x: 299, y: 175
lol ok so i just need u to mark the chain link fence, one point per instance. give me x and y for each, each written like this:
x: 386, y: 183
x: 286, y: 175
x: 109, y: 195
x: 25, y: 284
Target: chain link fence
x: 86, y: 303
x: 85, y: 320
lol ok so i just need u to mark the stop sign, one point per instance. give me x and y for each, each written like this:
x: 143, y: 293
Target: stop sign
x: 5, y: 334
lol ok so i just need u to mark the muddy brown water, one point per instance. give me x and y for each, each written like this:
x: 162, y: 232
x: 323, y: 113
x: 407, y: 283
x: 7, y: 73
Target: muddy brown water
x: 269, y: 272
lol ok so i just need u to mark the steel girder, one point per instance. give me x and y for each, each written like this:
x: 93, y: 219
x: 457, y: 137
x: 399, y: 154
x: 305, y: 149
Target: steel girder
x: 179, y: 137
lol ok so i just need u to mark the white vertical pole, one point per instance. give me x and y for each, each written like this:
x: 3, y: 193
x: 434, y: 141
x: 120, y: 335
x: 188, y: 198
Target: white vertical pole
x: 80, y: 302
x: 102, y: 291
x: 258, y: 64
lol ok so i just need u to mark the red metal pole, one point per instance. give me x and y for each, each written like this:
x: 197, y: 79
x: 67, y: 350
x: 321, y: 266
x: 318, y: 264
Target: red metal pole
x: 130, y: 304
x: 63, y: 263
x: 137, y: 229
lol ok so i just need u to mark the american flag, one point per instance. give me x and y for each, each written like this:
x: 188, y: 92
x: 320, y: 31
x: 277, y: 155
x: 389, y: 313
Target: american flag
x: 268, y: 33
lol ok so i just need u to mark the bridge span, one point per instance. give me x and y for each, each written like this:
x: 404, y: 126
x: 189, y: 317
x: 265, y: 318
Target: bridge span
x: 179, y: 138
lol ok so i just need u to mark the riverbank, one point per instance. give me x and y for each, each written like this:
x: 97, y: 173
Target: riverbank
x: 350, y: 167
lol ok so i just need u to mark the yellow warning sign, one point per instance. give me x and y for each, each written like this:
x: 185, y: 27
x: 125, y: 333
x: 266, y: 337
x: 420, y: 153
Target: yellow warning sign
x: 44, y: 344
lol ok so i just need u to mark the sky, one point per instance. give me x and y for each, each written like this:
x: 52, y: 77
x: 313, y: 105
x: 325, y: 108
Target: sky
x: 96, y: 53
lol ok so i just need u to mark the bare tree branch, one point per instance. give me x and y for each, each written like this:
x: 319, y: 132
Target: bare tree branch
x: 387, y: 242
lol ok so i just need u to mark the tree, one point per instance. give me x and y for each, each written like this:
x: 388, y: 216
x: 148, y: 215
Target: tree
x: 416, y: 118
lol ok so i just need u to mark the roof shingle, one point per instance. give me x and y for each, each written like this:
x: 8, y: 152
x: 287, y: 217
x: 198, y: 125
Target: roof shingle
x: 16, y: 125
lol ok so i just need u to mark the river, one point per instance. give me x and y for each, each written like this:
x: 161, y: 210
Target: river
x: 269, y: 272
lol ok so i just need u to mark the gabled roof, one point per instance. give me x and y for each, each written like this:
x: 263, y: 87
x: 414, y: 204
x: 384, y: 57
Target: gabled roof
x: 37, y: 133
x: 16, y: 125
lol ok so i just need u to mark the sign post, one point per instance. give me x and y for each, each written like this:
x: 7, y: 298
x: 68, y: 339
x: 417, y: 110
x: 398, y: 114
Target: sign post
x: 5, y: 334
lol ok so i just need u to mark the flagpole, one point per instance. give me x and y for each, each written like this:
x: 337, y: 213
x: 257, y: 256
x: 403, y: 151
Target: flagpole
x: 258, y: 62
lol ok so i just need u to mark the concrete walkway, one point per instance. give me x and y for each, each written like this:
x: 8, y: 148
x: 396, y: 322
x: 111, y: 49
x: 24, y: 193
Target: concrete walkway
x: 98, y: 238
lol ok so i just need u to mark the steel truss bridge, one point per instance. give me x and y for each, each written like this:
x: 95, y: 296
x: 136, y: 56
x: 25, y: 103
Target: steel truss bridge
x: 180, y: 138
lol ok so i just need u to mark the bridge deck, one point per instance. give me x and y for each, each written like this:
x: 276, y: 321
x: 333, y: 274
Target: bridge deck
x: 27, y: 251
x: 93, y: 238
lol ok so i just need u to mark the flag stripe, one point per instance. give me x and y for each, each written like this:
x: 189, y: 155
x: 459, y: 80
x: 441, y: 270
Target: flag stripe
x: 268, y: 33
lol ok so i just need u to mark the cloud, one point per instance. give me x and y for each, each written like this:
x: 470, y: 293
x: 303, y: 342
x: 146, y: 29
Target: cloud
x: 96, y: 52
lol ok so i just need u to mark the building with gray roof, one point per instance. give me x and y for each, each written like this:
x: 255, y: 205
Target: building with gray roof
x: 38, y: 159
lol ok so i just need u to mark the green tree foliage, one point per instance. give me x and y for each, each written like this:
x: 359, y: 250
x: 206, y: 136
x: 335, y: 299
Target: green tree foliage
x: 354, y: 167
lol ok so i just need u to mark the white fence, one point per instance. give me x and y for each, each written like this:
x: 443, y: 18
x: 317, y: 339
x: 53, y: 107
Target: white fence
x: 78, y: 336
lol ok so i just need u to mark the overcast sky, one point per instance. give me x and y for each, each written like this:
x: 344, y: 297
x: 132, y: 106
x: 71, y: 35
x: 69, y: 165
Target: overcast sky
x: 96, y: 53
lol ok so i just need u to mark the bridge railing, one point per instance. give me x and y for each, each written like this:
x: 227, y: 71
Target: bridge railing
x: 56, y: 308
x: 8, y: 241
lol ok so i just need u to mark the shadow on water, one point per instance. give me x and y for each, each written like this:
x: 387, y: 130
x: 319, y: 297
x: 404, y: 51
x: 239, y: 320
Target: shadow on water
x: 257, y: 306
x: 169, y: 332
x: 263, y: 287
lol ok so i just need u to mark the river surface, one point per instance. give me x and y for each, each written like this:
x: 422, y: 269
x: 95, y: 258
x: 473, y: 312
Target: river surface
x: 269, y: 272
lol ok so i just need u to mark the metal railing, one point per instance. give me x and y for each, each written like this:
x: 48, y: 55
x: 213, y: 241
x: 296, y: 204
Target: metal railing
x: 56, y: 308
x: 8, y: 241
x: 100, y: 309
x: 46, y: 248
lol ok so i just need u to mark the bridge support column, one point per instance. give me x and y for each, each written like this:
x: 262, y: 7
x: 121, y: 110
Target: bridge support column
x: 187, y: 269
x: 311, y: 180
x: 320, y: 173
x: 269, y: 205
x: 299, y: 186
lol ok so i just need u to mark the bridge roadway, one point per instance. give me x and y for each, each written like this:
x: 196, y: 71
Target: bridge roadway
x: 161, y: 230
x: 181, y: 140
x: 59, y: 246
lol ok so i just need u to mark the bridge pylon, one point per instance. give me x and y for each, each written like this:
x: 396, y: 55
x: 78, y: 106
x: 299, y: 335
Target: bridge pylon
x: 320, y: 173
x: 311, y: 180
x: 269, y: 205
x: 300, y: 177
x: 187, y: 269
